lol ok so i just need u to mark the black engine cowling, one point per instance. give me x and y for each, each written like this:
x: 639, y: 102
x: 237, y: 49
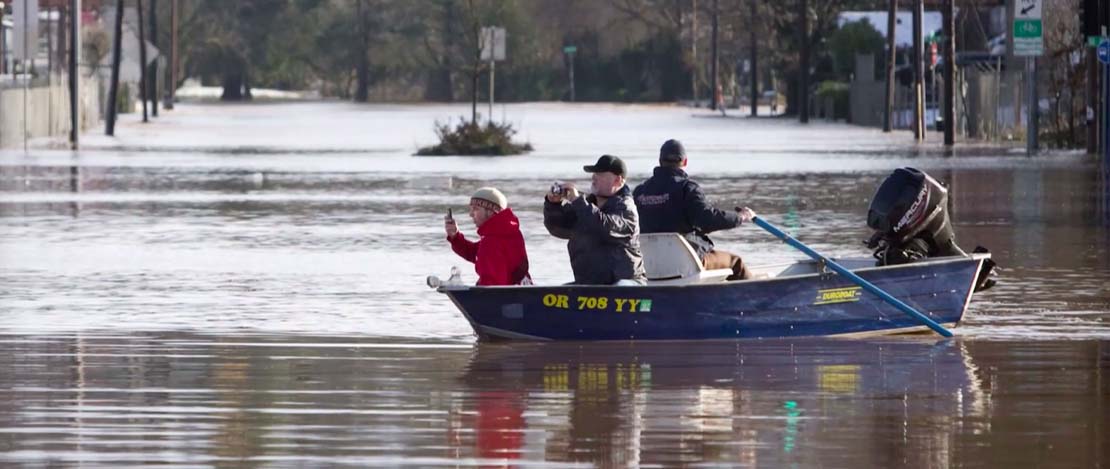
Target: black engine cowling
x: 909, y: 214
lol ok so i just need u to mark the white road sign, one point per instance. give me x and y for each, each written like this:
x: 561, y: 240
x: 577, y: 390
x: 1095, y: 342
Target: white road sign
x: 1028, y: 30
x: 493, y: 40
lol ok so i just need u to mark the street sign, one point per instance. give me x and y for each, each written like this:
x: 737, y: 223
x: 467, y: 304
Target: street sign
x: 570, y: 49
x: 1104, y: 51
x: 493, y: 41
x: 1028, y: 29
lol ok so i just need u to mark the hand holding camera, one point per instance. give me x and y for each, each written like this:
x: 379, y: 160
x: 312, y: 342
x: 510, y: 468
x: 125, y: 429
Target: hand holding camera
x: 570, y: 192
x: 560, y: 191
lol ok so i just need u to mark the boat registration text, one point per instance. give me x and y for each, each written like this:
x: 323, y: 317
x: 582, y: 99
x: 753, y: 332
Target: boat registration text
x: 598, y: 303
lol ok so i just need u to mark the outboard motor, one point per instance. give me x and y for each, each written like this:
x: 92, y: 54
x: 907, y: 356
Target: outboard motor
x: 909, y: 214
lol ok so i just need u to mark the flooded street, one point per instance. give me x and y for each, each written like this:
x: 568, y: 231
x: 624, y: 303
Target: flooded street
x: 244, y: 286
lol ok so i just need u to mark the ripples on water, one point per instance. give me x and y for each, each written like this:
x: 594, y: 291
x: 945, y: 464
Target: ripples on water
x: 279, y: 251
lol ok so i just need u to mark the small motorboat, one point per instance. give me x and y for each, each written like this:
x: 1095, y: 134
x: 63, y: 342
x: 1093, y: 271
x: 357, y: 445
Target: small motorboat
x: 683, y: 301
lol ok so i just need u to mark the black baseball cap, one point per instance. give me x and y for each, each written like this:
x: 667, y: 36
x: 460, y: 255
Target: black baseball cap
x: 672, y: 151
x: 608, y: 164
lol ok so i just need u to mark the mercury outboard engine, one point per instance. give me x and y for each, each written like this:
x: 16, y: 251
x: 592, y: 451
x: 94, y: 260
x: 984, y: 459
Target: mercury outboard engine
x: 909, y: 214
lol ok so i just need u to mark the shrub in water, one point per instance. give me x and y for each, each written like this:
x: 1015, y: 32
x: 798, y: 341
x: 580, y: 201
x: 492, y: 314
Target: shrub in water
x: 469, y: 138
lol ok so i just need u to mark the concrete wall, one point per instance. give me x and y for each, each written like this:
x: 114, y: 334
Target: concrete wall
x: 47, y: 109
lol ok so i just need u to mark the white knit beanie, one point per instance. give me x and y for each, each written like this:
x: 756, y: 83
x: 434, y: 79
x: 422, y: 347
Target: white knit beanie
x: 490, y: 198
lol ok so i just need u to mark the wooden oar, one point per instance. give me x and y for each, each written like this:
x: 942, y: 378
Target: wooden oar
x: 853, y: 277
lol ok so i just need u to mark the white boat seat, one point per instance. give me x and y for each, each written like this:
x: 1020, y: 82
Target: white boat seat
x: 669, y: 259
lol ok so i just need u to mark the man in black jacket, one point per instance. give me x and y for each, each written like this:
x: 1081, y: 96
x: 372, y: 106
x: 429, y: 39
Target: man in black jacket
x: 669, y: 202
x: 602, y: 228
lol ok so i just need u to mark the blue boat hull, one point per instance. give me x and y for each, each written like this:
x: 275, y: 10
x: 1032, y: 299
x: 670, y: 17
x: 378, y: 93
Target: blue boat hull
x: 801, y: 305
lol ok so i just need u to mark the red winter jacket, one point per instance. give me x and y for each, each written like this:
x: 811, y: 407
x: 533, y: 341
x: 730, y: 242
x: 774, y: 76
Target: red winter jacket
x: 499, y: 256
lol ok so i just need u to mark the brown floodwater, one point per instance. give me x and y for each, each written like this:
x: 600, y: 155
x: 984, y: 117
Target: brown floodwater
x: 198, y: 400
x: 244, y: 286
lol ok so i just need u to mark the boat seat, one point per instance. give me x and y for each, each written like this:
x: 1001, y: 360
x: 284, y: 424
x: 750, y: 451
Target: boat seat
x: 669, y: 260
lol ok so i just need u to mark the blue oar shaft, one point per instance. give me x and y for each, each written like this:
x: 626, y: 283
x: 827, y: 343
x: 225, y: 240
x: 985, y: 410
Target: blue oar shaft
x: 853, y: 277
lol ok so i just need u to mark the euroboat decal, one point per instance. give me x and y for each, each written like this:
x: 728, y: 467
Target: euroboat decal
x: 838, y: 295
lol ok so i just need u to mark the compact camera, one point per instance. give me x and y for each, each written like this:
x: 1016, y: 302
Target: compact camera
x: 557, y: 188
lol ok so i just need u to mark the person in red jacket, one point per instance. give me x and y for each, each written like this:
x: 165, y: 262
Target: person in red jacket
x: 499, y: 255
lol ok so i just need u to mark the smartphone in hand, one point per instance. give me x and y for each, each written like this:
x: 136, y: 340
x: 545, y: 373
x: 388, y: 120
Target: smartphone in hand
x: 450, y: 216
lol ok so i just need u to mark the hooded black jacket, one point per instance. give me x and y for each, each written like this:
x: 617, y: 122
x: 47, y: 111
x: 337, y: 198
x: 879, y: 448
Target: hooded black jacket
x: 669, y: 202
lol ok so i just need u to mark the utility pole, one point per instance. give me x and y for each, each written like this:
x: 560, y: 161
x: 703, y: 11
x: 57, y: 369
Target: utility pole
x: 113, y: 89
x: 60, y: 51
x: 362, y: 69
x: 3, y: 47
x: 949, y: 73
x: 803, y: 73
x: 173, y: 55
x: 754, y: 57
x: 74, y: 73
x: 153, y: 86
x: 1100, y: 120
x: 918, y: 72
x: 1031, y: 125
x: 891, y: 58
x: 50, y: 62
x: 1092, y: 101
x: 142, y: 59
x: 714, y: 84
x: 694, y: 48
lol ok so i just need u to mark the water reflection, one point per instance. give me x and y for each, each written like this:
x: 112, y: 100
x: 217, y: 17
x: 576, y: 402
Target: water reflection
x: 268, y: 401
x: 743, y: 403
x: 772, y: 403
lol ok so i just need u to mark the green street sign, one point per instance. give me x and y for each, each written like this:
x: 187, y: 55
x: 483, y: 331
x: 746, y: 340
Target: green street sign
x: 1027, y: 29
x: 1028, y: 38
x: 570, y: 49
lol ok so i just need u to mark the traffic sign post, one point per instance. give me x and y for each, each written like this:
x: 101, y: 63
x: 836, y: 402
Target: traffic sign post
x: 1029, y: 43
x: 492, y: 49
x: 1028, y: 28
x: 570, y: 51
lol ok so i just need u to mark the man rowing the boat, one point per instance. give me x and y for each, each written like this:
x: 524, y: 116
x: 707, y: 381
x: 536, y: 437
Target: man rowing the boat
x: 669, y: 202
